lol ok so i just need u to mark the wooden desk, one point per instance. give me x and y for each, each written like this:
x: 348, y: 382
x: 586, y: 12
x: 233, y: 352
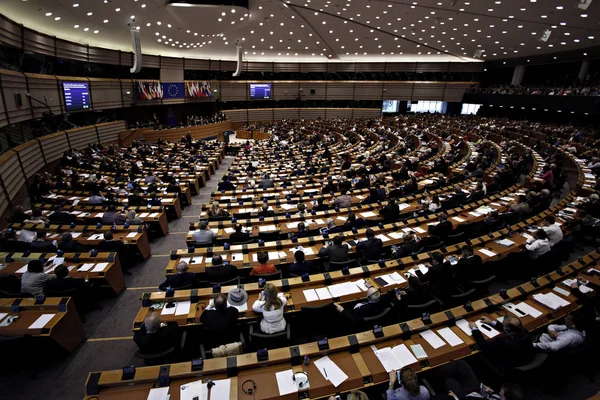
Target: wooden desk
x: 64, y: 328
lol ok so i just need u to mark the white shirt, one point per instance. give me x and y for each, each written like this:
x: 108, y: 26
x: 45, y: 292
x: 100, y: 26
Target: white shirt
x: 566, y: 338
x: 273, y: 320
x: 538, y: 247
x: 554, y: 233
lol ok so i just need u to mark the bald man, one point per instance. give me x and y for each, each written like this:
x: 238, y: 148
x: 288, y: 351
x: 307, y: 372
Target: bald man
x: 153, y: 338
x: 511, y: 350
x: 369, y: 308
x: 182, y: 279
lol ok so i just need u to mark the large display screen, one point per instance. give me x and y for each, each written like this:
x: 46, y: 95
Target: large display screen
x: 77, y: 96
x: 260, y: 90
x: 390, y: 106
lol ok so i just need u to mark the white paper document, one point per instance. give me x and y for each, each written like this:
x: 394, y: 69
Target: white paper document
x: 22, y: 270
x: 396, y: 358
x: 131, y: 235
x: 550, y: 300
x: 86, y: 267
x: 486, y: 329
x: 310, y: 295
x: 529, y: 310
x: 560, y: 291
x: 285, y: 382
x: 418, y: 230
x: 418, y: 351
x: 505, y: 242
x: 41, y: 321
x: 487, y: 252
x: 100, y: 267
x: 463, y: 324
x: 323, y: 293
x: 267, y: 228
x: 331, y: 371
x: 433, y: 339
x: 450, y: 337
x: 368, y: 214
x: 192, y: 390
x: 159, y: 393
x: 458, y: 219
x: 183, y: 307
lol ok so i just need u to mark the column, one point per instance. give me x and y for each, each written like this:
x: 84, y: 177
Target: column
x: 518, y: 75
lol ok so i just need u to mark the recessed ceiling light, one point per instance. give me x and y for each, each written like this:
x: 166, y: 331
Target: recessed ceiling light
x: 117, y: 9
x: 105, y: 21
x: 75, y: 5
x: 57, y: 18
x: 86, y: 29
x: 75, y: 26
x: 90, y: 14
x: 48, y: 14
x: 96, y: 31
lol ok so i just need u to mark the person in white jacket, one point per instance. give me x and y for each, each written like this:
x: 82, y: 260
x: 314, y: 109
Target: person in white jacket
x: 559, y: 337
x: 271, y: 305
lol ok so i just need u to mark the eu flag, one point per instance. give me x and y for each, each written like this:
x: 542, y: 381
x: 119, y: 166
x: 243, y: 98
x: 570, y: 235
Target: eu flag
x: 174, y: 90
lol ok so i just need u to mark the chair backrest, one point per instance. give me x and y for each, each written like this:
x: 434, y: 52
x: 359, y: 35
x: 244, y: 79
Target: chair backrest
x: 268, y: 277
x: 203, y: 245
x: 233, y: 281
x: 464, y: 296
x: 379, y: 316
x: 484, y: 282
x: 219, y: 218
x: 456, y: 238
x: 336, y: 266
x: 183, y: 287
x: 60, y: 293
x: 245, y: 215
x: 246, y: 242
x: 423, y: 306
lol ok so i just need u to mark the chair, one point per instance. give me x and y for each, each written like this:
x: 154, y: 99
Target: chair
x: 209, y: 354
x: 246, y: 242
x: 164, y: 357
x: 415, y: 310
x: 368, y: 262
x: 337, y: 266
x: 526, y: 372
x: 379, y: 319
x: 316, y: 322
x: 482, y: 286
x: 259, y: 340
x: 269, y: 236
x: 219, y: 218
x: 269, y: 277
x: 203, y: 245
x: 456, y: 238
x: 431, y: 247
x: 230, y: 282
x: 245, y: 215
x: 462, y: 298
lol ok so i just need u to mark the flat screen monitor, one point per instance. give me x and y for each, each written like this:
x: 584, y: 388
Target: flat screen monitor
x: 390, y: 106
x: 77, y: 96
x: 260, y: 90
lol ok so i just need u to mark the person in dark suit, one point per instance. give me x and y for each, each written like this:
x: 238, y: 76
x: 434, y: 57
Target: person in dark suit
x: 110, y: 244
x: 397, y: 191
x: 331, y: 228
x: 439, y: 275
x: 370, y: 249
x: 183, y: 278
x: 239, y: 236
x: 220, y: 272
x: 59, y: 217
x: 459, y: 197
x: 300, y: 267
x: 153, y: 338
x: 68, y: 245
x: 372, y: 307
x: 337, y: 251
x: 265, y: 212
x: 266, y: 182
x: 511, y: 350
x: 353, y: 222
x: 390, y: 212
x: 409, y: 246
x: 443, y: 228
x: 134, y: 199
x: 41, y: 245
x: 219, y: 322
x: 302, y: 231
x: 470, y: 266
x: 9, y: 242
x: 112, y: 217
x: 225, y: 184
x: 82, y: 290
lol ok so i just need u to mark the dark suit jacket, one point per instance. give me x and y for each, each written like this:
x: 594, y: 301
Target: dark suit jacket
x: 335, y: 253
x: 370, y: 249
x: 42, y: 247
x: 135, y: 200
x: 61, y: 218
x: 152, y: 343
x: 470, y: 269
x: 406, y: 249
x: 301, y: 268
x: 179, y: 280
x: 14, y: 245
x: 220, y: 326
x: 505, y: 352
x: 62, y: 284
x: 240, y: 237
x: 221, y: 273
x: 443, y: 229
x: 72, y: 247
x: 441, y: 279
x: 356, y: 315
x: 268, y: 213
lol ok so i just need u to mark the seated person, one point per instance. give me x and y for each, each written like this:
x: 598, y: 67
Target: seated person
x: 266, y: 182
x: 181, y: 279
x: 265, y: 212
x: 370, y: 308
x: 271, y: 305
x: 134, y: 199
x: 390, y: 212
x: 300, y: 267
x: 220, y: 272
x: 111, y: 217
x: 154, y: 337
x: 539, y: 245
x: 203, y: 235
x: 414, y: 294
x: 96, y: 197
x: 331, y: 228
x: 60, y: 217
x: 133, y: 219
x: 566, y: 336
x: 511, y: 350
x: 41, y: 244
x: 470, y: 266
x: 320, y: 206
x: 82, y: 290
x: 460, y: 382
x: 68, y: 245
x: 9, y: 242
x: 552, y: 229
x: 215, y: 211
x: 263, y: 268
x: 343, y: 200
x: 439, y: 275
x: 336, y: 251
x: 239, y: 236
x: 302, y: 231
x: 370, y: 249
x: 354, y: 222
x: 35, y: 279
x: 521, y: 206
x: 219, y: 321
x: 225, y: 184
x: 36, y: 217
x: 409, y: 246
x: 409, y: 389
x: 110, y: 244
x: 443, y: 228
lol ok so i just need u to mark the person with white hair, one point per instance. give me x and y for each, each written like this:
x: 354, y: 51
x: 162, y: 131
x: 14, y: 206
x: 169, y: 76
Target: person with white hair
x: 154, y: 337
x: 331, y: 228
x: 183, y: 278
x: 366, y: 309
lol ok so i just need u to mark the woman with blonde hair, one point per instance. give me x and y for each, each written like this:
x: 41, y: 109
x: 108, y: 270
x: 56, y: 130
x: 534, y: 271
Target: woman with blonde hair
x: 410, y: 389
x: 271, y: 305
x: 133, y: 219
x: 215, y: 210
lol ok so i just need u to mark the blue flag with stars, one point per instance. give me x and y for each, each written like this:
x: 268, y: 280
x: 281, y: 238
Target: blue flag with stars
x: 173, y: 90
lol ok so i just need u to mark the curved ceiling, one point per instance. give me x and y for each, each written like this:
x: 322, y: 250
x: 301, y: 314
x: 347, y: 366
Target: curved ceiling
x: 318, y: 30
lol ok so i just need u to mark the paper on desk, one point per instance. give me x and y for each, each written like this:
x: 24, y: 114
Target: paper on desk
x: 450, y: 337
x: 183, y: 307
x: 273, y: 255
x: 192, y: 390
x: 319, y: 222
x: 185, y: 259
x: 41, y: 321
x: 458, y: 219
x: 383, y: 238
x: 395, y: 235
x: 99, y: 215
x: 100, y: 267
x: 75, y: 234
x: 285, y: 382
x: 221, y: 390
x: 2, y: 315
x: 505, y: 242
x: 287, y: 206
x: 368, y: 214
x: 361, y: 285
x: 235, y: 257
x: 528, y: 237
x: 331, y: 371
x: 131, y: 234
x: 159, y: 394
x: 292, y: 225
x: 463, y: 324
x: 560, y: 290
x: 486, y: 329
x: 86, y: 267
x: 310, y: 295
x: 487, y: 252
x: 419, y: 230
x: 519, y: 312
x: 144, y: 215
x: 529, y: 310
x: 433, y: 339
x: 266, y: 228
x: 343, y: 289
x: 323, y: 293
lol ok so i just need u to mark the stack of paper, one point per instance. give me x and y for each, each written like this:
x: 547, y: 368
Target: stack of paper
x: 550, y: 300
x: 505, y: 242
x: 180, y: 308
x: 323, y: 293
x: 487, y: 252
x: 433, y: 339
x: 343, y: 289
x: 267, y: 228
x: 331, y: 371
x: 41, y: 321
x: 310, y: 295
x: 450, y: 337
x: 457, y: 219
x: 100, y: 267
x: 464, y: 326
x: 395, y: 358
x: 368, y: 214
x: 285, y: 382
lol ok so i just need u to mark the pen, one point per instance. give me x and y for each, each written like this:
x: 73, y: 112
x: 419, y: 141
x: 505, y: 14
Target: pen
x: 325, y: 371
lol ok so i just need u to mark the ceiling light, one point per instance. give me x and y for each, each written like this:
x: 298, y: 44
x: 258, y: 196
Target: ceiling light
x: 86, y: 29
x: 90, y: 14
x: 75, y: 26
x: 48, y: 14
x: 96, y: 31
x: 75, y: 5
x: 57, y: 18
x: 117, y: 9
x: 105, y: 21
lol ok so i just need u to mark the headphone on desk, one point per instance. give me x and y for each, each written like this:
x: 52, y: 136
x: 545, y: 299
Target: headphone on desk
x: 300, y: 384
x: 251, y: 390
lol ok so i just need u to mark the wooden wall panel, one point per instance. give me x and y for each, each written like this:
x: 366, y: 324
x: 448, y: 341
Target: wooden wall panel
x: 11, y: 173
x: 260, y: 114
x: 236, y: 115
x: 368, y: 91
x: 286, y: 91
x: 258, y: 66
x: 401, y: 67
x: 106, y: 93
x: 233, y: 91
x: 366, y: 113
x: 312, y: 113
x: 171, y: 62
x: 432, y: 67
x: 10, y: 33
x: 370, y: 67
x: 38, y: 43
x: 428, y: 91
x: 286, y: 67
x: 80, y: 138
x: 109, y: 131
x: 104, y: 56
x: 14, y: 83
x: 54, y: 146
x: 340, y: 90
x: 150, y: 61
x: 45, y: 89
x: 31, y: 156
x: 397, y: 90
x: 455, y: 91
x: 200, y: 65
x: 3, y: 117
x: 70, y: 50
x: 320, y: 89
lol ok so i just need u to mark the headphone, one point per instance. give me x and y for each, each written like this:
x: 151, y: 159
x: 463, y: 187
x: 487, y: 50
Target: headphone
x: 300, y: 384
x: 249, y: 391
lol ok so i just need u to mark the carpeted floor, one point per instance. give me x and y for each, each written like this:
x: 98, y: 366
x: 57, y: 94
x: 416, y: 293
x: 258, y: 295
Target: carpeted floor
x: 108, y: 332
